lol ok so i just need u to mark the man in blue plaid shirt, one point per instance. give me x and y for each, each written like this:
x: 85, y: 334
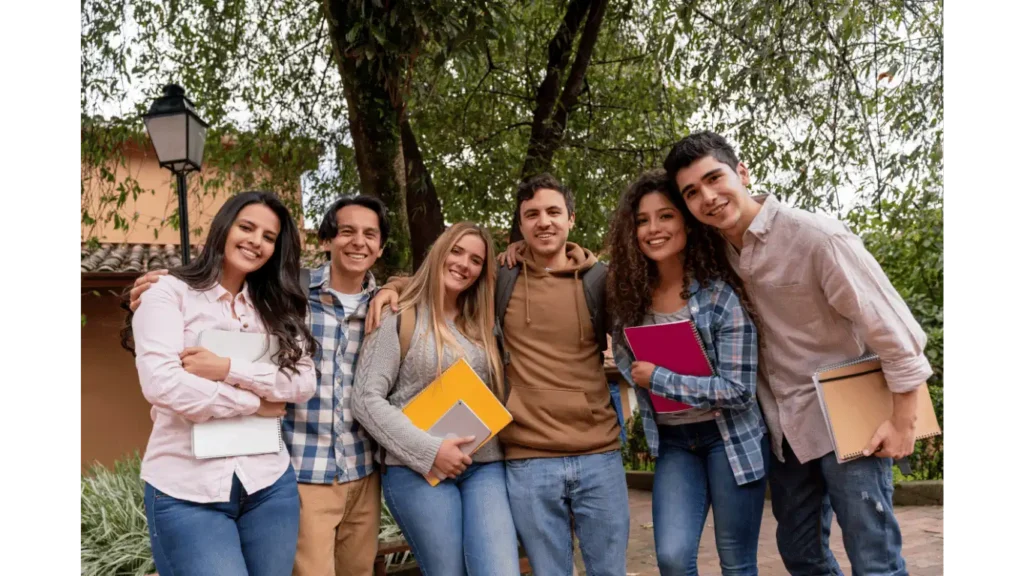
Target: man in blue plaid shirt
x: 339, y: 488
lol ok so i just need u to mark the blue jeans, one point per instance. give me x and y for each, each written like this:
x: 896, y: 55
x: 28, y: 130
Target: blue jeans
x: 459, y: 527
x: 249, y: 535
x: 692, y: 472
x: 544, y: 492
x: 860, y: 492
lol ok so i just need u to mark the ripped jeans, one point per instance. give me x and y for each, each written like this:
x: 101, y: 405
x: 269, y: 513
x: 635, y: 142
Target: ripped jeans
x: 860, y: 492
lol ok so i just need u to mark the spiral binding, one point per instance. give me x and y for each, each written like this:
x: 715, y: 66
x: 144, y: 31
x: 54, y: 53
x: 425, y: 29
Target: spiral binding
x: 865, y: 358
x: 700, y: 341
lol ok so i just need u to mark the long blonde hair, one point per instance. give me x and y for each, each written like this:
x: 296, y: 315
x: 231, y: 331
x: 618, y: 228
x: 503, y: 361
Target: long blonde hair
x: 475, y: 319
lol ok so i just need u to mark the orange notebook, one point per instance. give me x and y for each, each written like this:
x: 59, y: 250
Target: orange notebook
x: 459, y: 383
x: 856, y: 400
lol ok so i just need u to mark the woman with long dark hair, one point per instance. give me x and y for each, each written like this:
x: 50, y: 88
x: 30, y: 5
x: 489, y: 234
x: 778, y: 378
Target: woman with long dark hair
x: 232, y: 515
x: 668, y: 267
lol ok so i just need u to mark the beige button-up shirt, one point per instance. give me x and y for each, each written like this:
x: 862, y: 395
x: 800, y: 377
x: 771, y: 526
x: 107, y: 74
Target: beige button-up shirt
x: 822, y: 299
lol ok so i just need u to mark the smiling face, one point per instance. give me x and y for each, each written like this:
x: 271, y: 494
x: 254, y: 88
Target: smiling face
x: 715, y: 194
x: 356, y: 246
x: 660, y: 230
x: 463, y: 264
x: 251, y: 240
x: 545, y: 222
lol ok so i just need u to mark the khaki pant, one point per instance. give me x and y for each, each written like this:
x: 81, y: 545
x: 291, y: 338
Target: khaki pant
x: 338, y: 527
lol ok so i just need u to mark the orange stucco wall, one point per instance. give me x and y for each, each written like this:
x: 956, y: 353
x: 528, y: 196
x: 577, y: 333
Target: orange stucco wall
x: 115, y: 416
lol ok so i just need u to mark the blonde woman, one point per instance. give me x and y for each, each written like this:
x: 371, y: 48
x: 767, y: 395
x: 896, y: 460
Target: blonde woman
x: 464, y: 524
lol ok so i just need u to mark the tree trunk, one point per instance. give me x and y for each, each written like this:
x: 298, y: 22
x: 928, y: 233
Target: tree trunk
x: 539, y: 154
x: 426, y: 221
x: 555, y: 100
x: 374, y: 121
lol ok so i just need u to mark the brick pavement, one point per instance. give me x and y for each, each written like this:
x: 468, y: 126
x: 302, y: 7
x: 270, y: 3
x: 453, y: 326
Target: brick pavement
x: 921, y: 526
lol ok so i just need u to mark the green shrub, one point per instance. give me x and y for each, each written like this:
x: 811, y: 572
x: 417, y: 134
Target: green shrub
x: 908, y: 244
x: 115, y: 540
x: 635, y: 454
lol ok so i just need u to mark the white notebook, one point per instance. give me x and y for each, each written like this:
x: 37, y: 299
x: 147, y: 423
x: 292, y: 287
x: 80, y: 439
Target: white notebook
x: 242, y: 435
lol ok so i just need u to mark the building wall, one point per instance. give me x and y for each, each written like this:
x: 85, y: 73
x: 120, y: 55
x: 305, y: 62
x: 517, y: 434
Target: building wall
x: 115, y: 416
x: 158, y: 203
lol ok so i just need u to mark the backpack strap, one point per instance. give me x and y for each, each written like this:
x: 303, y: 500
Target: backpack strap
x: 594, y: 280
x: 506, y: 282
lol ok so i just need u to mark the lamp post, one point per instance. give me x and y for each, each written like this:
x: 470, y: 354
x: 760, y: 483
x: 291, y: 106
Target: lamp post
x: 179, y: 136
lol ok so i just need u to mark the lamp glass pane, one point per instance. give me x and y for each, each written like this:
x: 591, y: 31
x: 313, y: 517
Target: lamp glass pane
x: 196, y: 141
x: 168, y: 136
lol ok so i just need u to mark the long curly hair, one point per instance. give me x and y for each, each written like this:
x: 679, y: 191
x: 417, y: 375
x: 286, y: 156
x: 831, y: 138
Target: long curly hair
x: 276, y: 294
x: 633, y: 276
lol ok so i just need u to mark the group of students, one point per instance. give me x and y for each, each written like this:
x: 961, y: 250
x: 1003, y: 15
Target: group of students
x: 774, y: 292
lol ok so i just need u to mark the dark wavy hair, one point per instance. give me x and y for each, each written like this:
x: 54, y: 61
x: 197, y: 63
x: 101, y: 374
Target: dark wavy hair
x: 632, y: 276
x: 693, y: 148
x: 274, y: 288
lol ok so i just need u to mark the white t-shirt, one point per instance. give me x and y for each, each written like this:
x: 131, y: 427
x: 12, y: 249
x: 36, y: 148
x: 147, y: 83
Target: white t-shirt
x: 348, y: 301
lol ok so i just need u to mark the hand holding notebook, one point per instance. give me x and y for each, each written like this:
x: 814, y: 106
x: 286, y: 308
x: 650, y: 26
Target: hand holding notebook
x: 675, y: 346
x: 856, y: 400
x: 461, y: 425
x: 458, y: 404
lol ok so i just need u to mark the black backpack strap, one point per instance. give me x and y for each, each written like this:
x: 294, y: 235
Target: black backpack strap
x: 594, y: 280
x: 503, y: 292
x: 505, y: 284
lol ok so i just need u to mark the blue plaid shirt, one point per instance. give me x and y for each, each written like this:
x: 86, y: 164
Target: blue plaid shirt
x: 325, y: 441
x: 730, y: 339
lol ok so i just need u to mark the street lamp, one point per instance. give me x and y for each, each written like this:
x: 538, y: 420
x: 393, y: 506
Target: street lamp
x: 178, y: 135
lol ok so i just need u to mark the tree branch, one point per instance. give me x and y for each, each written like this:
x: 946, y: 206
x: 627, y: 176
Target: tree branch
x: 510, y: 95
x: 552, y: 110
x: 490, y: 67
x: 574, y: 84
x: 723, y: 27
x: 559, y: 50
x: 621, y: 60
x: 502, y: 131
x: 865, y: 125
x: 611, y: 150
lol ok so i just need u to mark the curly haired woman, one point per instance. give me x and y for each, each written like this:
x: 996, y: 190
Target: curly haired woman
x: 668, y: 267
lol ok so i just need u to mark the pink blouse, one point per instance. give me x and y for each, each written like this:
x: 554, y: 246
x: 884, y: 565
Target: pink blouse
x: 170, y: 318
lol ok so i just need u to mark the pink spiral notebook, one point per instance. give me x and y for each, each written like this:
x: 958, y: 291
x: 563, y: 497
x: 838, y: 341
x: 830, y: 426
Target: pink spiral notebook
x: 676, y: 346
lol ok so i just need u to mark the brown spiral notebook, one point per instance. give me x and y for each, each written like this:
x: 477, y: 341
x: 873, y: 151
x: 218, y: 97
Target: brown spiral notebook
x: 856, y: 400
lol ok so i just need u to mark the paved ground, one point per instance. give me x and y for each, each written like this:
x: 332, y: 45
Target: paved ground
x: 921, y: 526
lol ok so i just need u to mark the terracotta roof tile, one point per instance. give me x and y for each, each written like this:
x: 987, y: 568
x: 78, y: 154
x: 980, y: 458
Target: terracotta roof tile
x: 138, y: 258
x: 141, y: 258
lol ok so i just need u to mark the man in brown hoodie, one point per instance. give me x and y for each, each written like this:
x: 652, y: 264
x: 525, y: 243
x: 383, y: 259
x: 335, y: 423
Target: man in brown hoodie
x: 562, y: 447
x: 563, y: 466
